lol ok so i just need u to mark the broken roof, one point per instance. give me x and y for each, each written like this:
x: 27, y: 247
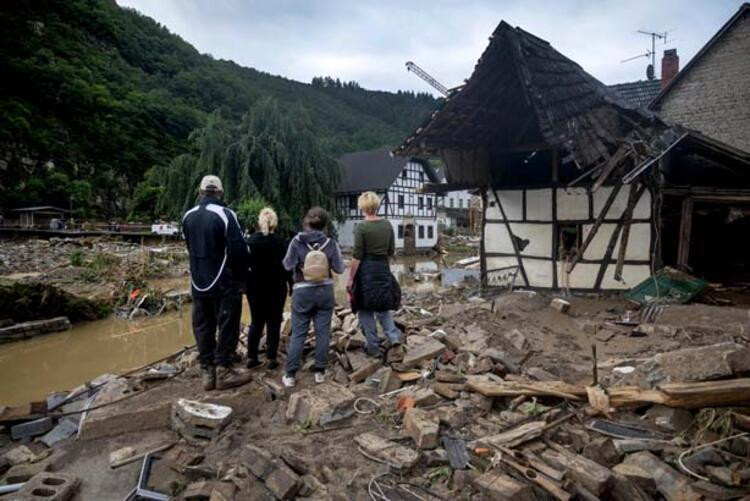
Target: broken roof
x: 743, y: 11
x: 523, y: 96
x: 374, y: 170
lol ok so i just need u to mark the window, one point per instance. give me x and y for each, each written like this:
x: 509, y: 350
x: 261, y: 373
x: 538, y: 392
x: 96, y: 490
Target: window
x: 404, y: 174
x: 400, y: 231
x: 461, y: 203
x: 570, y: 238
x: 421, y: 176
x: 421, y: 203
x: 430, y: 232
x: 400, y: 201
x: 421, y: 231
x: 451, y: 201
x: 352, y: 201
x: 429, y: 202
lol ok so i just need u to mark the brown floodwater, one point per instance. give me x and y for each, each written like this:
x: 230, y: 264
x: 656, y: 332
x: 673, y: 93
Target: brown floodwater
x: 33, y: 368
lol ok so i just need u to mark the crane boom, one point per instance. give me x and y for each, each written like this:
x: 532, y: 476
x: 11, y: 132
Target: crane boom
x: 410, y: 66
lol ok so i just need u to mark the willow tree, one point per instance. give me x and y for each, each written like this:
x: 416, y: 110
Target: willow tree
x: 271, y: 154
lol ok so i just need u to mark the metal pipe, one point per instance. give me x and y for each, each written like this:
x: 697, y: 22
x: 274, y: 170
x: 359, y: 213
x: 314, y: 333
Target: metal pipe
x: 7, y: 489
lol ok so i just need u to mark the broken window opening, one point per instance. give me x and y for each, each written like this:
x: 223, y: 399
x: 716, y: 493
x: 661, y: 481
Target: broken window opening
x: 570, y: 239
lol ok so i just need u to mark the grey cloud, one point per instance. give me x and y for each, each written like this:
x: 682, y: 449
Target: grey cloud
x: 369, y: 41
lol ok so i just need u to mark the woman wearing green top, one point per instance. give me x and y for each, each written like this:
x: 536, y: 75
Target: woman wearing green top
x: 372, y: 286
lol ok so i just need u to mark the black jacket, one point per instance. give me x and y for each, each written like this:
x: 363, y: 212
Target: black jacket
x: 375, y: 288
x: 218, y: 255
x: 266, y: 271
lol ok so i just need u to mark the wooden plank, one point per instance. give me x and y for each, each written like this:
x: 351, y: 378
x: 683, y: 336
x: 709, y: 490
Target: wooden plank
x: 623, y: 224
x: 621, y: 154
x: 595, y: 228
x: 726, y: 392
x: 512, y: 239
x: 536, y: 388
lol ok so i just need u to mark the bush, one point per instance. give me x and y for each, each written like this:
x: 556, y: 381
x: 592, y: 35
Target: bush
x: 76, y: 258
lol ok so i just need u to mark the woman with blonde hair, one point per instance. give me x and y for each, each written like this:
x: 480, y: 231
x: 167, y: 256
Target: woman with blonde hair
x: 373, y: 289
x: 267, y: 287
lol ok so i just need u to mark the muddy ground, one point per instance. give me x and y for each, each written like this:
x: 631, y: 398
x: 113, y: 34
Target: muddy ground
x: 326, y: 461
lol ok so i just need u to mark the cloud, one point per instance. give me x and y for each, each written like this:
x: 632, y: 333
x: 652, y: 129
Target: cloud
x: 369, y: 41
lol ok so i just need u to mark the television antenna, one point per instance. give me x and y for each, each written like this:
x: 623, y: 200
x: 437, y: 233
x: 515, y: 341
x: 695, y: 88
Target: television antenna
x: 650, y: 53
x: 410, y: 66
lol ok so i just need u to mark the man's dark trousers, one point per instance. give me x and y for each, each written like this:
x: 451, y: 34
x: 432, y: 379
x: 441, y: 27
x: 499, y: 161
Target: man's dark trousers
x: 210, y: 313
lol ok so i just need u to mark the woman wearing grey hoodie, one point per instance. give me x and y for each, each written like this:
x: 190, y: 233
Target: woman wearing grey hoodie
x: 311, y: 300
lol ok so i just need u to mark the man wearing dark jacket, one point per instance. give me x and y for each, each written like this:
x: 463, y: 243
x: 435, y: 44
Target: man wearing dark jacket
x: 218, y: 262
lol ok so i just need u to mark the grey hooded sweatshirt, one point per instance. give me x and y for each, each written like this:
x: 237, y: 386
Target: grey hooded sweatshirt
x: 298, y: 249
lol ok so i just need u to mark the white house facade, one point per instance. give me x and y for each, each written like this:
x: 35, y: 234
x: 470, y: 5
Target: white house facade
x: 397, y: 180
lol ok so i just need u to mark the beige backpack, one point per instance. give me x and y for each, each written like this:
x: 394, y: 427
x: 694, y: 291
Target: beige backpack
x: 316, y: 264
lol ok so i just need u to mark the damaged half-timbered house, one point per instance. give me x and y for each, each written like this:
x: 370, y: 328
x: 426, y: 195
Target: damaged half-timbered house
x: 575, y: 182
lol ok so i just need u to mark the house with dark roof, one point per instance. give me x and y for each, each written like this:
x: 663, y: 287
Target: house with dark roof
x: 581, y: 189
x: 398, y: 181
x: 711, y: 93
x: 639, y: 93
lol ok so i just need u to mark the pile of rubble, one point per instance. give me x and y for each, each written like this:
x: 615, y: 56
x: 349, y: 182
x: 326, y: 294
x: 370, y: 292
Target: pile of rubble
x: 483, y: 400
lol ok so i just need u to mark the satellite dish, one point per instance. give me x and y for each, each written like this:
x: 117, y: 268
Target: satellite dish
x: 650, y: 71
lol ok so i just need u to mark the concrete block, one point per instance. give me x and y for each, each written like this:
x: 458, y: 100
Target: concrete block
x: 637, y: 475
x: 20, y: 455
x: 425, y: 397
x: 560, y: 305
x: 602, y: 451
x: 427, y: 350
x: 396, y: 455
x: 23, y: 472
x: 259, y: 461
x: 48, y: 486
x: 283, y: 482
x: 66, y: 428
x: 670, y: 484
x: 119, y: 419
x: 422, y: 427
x: 31, y: 428
x: 309, y: 405
x: 199, y: 420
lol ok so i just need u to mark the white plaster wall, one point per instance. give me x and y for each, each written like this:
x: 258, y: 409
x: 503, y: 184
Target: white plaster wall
x: 632, y: 275
x: 539, y: 236
x: 642, y: 208
x: 512, y: 201
x: 639, y: 241
x: 497, y: 238
x: 539, y: 272
x: 539, y: 205
x: 583, y: 275
x: 572, y: 203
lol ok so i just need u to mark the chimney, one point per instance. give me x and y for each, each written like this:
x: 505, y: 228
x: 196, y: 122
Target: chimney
x: 670, y: 65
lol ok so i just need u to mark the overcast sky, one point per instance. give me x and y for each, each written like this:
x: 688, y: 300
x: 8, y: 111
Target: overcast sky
x: 369, y: 41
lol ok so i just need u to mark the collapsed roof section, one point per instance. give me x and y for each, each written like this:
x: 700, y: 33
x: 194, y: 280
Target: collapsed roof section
x: 524, y: 96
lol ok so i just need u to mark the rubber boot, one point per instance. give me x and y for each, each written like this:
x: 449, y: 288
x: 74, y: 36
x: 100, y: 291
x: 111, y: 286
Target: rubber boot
x: 209, y: 378
x: 227, y: 377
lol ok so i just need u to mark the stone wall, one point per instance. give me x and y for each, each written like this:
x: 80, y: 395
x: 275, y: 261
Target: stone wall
x: 714, y: 96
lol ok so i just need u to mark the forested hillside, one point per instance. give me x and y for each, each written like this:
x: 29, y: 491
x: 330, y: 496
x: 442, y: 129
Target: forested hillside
x: 94, y: 96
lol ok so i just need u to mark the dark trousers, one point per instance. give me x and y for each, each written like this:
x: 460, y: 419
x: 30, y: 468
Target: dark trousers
x: 266, y: 310
x: 210, y: 313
